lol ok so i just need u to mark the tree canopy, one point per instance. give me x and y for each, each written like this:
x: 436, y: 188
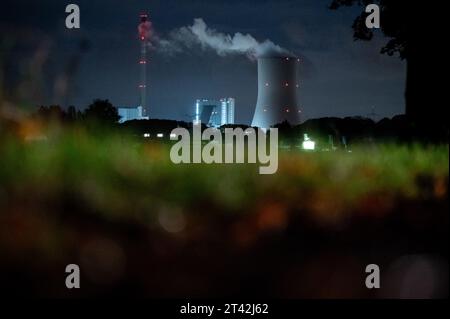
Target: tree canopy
x: 394, y: 23
x: 102, y: 111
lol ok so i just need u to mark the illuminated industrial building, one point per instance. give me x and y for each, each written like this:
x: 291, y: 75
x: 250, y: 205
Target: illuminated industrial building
x: 127, y: 113
x: 227, y: 111
x: 215, y: 113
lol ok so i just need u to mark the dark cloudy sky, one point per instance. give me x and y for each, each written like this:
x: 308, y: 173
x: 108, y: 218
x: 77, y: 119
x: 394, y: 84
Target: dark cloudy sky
x: 339, y: 77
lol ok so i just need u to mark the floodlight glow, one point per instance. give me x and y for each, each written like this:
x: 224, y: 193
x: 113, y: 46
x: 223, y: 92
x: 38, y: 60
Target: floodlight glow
x: 309, y: 145
x: 160, y: 135
x: 146, y: 134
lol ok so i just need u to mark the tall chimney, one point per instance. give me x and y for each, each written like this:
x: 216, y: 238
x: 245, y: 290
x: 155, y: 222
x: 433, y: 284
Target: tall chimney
x: 278, y: 88
x: 144, y: 33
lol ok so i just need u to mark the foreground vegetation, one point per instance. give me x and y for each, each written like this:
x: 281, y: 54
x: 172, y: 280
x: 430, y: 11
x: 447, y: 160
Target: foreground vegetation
x: 139, y: 225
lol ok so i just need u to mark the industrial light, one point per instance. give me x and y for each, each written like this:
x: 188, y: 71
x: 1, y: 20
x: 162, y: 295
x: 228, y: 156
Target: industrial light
x: 146, y: 134
x: 308, y: 144
x: 160, y: 135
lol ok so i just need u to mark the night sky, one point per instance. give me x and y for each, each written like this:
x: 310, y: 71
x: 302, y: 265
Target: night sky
x: 339, y: 76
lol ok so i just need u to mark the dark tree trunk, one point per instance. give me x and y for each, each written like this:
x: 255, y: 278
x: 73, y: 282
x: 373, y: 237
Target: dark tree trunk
x: 415, y: 91
x: 425, y: 74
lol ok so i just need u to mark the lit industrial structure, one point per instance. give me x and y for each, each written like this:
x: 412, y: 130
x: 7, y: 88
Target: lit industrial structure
x: 278, y: 88
x: 227, y: 111
x: 215, y: 113
x: 144, y: 29
x: 128, y: 113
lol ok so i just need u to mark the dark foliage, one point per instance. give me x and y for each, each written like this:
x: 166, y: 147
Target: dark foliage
x: 413, y: 32
x: 101, y: 111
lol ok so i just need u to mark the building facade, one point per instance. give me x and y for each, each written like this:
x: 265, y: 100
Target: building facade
x: 127, y: 113
x: 215, y: 113
x: 227, y: 111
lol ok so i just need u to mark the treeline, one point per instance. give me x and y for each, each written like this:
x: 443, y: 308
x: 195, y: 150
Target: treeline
x: 351, y: 130
x: 99, y: 112
x: 328, y: 131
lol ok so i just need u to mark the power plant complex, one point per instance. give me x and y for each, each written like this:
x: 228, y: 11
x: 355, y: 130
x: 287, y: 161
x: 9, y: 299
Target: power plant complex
x: 277, y: 99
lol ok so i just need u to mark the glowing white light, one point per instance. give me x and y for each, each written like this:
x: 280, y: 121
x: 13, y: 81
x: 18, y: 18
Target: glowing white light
x: 146, y: 134
x: 309, y: 145
x: 173, y: 135
x: 160, y: 135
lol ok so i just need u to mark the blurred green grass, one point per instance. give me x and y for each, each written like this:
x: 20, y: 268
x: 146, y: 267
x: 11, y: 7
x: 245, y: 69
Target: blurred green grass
x: 123, y: 177
x: 118, y: 206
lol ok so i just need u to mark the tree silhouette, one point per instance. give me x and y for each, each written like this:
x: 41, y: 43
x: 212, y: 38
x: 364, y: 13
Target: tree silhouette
x: 50, y: 113
x: 101, y: 111
x: 411, y: 37
x: 72, y: 114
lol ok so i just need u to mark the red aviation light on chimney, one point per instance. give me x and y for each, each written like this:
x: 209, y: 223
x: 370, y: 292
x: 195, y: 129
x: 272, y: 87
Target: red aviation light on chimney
x: 145, y: 27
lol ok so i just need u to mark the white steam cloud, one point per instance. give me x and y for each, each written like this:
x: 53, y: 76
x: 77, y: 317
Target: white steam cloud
x: 185, y: 38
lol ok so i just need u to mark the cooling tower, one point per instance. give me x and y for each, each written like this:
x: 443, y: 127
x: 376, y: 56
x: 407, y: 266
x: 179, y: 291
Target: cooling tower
x: 277, y: 91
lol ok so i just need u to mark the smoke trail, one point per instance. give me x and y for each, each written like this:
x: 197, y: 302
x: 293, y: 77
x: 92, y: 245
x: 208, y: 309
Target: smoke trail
x: 223, y: 44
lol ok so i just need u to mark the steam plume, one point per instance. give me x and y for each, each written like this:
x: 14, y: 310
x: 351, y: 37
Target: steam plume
x: 223, y: 44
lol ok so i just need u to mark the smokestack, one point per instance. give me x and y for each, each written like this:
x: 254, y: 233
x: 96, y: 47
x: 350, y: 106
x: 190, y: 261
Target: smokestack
x: 277, y: 91
x: 144, y: 29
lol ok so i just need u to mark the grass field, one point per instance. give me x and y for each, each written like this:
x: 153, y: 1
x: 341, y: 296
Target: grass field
x: 140, y: 225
